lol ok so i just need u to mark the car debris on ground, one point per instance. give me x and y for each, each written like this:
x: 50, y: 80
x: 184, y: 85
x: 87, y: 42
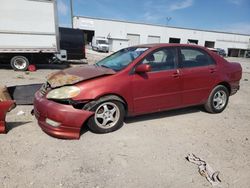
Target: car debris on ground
x: 20, y: 113
x: 6, y: 105
x: 205, y: 169
x: 23, y: 94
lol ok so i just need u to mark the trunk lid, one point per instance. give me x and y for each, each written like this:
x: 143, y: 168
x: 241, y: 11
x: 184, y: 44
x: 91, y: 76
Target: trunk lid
x: 235, y: 71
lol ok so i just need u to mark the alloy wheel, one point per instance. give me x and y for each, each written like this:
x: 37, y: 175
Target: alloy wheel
x: 219, y: 99
x: 107, y: 115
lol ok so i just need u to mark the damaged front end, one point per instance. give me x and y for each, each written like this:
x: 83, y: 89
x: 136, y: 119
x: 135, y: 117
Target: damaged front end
x: 62, y: 78
x: 75, y: 75
x: 59, y: 119
x: 56, y: 111
x: 57, y: 114
x: 63, y: 95
x: 60, y: 86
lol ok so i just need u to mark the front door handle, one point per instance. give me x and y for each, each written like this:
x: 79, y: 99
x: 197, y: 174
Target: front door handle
x: 176, y: 74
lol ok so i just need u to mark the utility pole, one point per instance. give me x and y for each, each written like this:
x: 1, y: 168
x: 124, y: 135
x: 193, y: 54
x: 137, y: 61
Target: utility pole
x: 168, y: 20
x: 71, y: 13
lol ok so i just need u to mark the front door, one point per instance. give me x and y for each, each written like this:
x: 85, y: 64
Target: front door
x: 160, y: 88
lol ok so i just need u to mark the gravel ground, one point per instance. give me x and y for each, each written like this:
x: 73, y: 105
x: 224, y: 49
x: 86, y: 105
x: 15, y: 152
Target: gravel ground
x: 148, y: 151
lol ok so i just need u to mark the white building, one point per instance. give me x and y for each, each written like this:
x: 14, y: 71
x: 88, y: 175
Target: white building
x: 123, y: 34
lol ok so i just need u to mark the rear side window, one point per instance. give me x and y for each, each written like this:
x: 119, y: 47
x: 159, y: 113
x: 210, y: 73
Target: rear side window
x: 162, y: 59
x: 194, y: 58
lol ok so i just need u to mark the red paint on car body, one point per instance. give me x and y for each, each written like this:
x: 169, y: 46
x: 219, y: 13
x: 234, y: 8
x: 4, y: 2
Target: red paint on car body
x: 142, y: 92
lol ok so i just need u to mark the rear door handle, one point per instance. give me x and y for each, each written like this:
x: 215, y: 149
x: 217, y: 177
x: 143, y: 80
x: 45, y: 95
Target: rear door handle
x: 212, y: 70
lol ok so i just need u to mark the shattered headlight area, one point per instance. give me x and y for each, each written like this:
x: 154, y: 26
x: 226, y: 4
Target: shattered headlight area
x: 45, y: 88
x: 81, y: 105
x: 66, y: 92
x: 64, y: 95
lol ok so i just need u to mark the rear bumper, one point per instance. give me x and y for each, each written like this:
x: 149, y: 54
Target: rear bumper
x: 234, y: 90
x: 70, y: 120
x: 235, y: 86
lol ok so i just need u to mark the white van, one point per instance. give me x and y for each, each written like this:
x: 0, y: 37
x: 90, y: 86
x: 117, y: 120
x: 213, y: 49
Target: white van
x: 100, y: 44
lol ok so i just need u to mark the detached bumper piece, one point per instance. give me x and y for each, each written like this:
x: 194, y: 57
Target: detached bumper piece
x: 24, y: 94
x: 5, y: 106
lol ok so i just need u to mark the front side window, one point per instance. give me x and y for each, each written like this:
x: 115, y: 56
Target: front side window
x: 194, y: 58
x: 122, y: 58
x: 163, y: 59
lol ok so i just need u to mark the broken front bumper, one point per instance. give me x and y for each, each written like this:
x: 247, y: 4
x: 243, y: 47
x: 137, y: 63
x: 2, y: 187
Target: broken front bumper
x: 59, y: 120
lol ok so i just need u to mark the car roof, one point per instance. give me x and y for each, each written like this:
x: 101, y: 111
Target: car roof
x: 158, y: 45
x: 213, y: 49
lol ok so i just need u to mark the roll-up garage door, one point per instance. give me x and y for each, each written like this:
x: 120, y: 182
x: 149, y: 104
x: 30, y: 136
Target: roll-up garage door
x: 153, y: 39
x: 133, y: 39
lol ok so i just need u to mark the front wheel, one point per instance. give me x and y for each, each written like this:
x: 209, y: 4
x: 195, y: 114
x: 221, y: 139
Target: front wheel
x: 217, y: 100
x: 19, y: 63
x: 108, y: 117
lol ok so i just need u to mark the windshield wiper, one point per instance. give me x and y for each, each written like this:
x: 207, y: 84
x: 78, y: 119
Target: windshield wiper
x: 104, y: 66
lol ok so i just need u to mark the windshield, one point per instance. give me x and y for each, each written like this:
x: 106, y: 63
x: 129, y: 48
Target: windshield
x: 121, y: 59
x: 102, y: 42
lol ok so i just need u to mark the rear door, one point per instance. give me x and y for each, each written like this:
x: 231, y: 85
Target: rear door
x: 198, y: 74
x: 160, y: 88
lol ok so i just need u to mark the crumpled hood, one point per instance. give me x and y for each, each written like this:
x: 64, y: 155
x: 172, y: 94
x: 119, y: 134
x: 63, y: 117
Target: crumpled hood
x: 74, y: 75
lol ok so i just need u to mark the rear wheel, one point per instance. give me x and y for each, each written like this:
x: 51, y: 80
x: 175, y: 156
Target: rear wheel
x: 108, y: 117
x: 217, y: 100
x: 19, y: 63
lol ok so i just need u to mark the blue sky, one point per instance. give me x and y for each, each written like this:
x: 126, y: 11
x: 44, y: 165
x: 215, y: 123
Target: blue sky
x: 220, y: 15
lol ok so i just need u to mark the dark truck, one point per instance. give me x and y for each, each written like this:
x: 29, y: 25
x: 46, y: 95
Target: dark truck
x: 72, y: 40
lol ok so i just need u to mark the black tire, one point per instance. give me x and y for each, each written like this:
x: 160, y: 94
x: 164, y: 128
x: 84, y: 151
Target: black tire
x: 19, y: 63
x: 217, y: 100
x: 97, y: 121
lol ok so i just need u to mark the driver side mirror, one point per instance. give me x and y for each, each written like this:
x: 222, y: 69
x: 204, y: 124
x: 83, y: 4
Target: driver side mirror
x: 143, y: 68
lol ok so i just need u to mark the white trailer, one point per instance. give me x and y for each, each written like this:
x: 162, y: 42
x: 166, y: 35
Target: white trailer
x: 28, y: 32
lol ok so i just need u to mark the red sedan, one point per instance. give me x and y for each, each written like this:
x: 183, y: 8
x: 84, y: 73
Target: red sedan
x: 135, y: 80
